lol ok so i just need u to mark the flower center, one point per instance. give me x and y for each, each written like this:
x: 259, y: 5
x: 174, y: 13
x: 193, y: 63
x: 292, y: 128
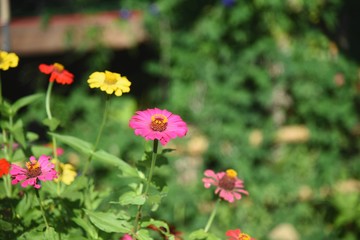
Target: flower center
x: 244, y: 236
x: 58, y: 67
x: 110, y: 78
x: 34, y: 169
x: 158, y: 122
x: 227, y: 182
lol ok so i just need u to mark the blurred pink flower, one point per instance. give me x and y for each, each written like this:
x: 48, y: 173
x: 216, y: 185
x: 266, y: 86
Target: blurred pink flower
x: 59, y: 150
x: 158, y: 124
x: 227, y: 184
x: 238, y: 235
x: 35, y: 171
x: 126, y: 237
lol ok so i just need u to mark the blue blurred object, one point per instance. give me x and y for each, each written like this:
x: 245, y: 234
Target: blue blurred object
x: 228, y: 3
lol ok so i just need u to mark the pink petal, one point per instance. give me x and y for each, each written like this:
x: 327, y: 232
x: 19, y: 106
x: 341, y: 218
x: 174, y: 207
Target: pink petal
x: 226, y: 195
x: 30, y: 181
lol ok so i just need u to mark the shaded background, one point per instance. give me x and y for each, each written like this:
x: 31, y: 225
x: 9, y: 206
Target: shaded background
x: 269, y: 88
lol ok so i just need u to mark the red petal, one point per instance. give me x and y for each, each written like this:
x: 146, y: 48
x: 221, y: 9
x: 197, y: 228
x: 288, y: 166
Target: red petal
x: 47, y: 69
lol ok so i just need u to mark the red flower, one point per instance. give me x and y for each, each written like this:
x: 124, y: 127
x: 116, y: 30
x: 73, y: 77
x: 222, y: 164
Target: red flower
x: 4, y: 167
x: 238, y: 235
x: 57, y: 72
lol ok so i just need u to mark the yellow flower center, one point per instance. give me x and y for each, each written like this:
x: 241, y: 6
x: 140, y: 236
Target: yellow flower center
x: 110, y: 78
x: 231, y: 173
x: 158, y: 122
x: 34, y: 169
x: 58, y: 67
x: 227, y: 182
x: 244, y: 236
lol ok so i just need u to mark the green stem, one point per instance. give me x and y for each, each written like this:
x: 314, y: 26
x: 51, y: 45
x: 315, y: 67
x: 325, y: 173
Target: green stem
x: 212, y: 216
x: 148, y: 182
x: 107, y: 103
x: 7, y: 185
x: 47, y: 100
x: 49, y: 115
x: 11, y: 139
x: 53, y: 139
x: 41, y: 208
x: 1, y: 99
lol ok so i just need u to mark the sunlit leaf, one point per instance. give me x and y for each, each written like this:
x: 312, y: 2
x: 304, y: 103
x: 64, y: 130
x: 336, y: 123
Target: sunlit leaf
x: 109, y: 222
x: 106, y: 157
x: 74, y: 142
x: 132, y: 198
x: 91, y: 231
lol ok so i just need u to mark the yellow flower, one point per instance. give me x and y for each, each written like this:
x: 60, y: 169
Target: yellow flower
x: 66, y: 172
x: 109, y: 82
x: 8, y: 60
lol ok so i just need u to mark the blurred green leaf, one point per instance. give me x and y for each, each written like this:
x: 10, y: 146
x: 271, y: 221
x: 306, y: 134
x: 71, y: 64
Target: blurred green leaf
x: 5, y: 226
x: 18, y: 132
x: 51, y: 234
x: 22, y: 102
x: 108, y: 158
x: 90, y: 230
x: 132, y: 198
x: 109, y: 222
x: 202, y: 235
x: 143, y: 234
x: 74, y: 142
x: 52, y: 123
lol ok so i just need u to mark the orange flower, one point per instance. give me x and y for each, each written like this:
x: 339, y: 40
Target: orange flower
x: 57, y: 72
x: 4, y: 167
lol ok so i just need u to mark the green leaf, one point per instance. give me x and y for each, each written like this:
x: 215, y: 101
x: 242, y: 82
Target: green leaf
x: 143, y: 234
x: 132, y: 198
x: 155, y: 197
x: 160, y: 225
x: 52, y: 123
x: 50, y: 234
x: 74, y: 142
x: 39, y: 150
x: 5, y: 226
x: 202, y: 235
x: 91, y: 231
x: 22, y: 102
x: 86, y: 148
x: 109, y: 222
x: 5, y: 109
x: 18, y: 132
x: 106, y: 157
x: 73, y: 191
x: 31, y: 136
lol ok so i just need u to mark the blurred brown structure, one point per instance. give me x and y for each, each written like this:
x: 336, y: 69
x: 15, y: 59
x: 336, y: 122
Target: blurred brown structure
x: 36, y: 35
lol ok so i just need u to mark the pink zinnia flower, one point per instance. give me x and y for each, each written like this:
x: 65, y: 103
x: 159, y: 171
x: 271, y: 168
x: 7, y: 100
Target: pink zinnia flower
x: 126, y: 237
x: 238, y: 235
x: 35, y: 171
x: 158, y: 124
x: 227, y: 184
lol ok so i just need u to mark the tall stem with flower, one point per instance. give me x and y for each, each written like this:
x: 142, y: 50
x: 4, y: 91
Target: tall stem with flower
x: 148, y: 182
x: 228, y: 186
x: 101, y: 129
x: 111, y: 83
x: 157, y: 125
x: 60, y: 75
x: 7, y: 60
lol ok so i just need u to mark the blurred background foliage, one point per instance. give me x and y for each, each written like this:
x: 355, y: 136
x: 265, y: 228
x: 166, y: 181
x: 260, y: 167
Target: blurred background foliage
x: 269, y: 88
